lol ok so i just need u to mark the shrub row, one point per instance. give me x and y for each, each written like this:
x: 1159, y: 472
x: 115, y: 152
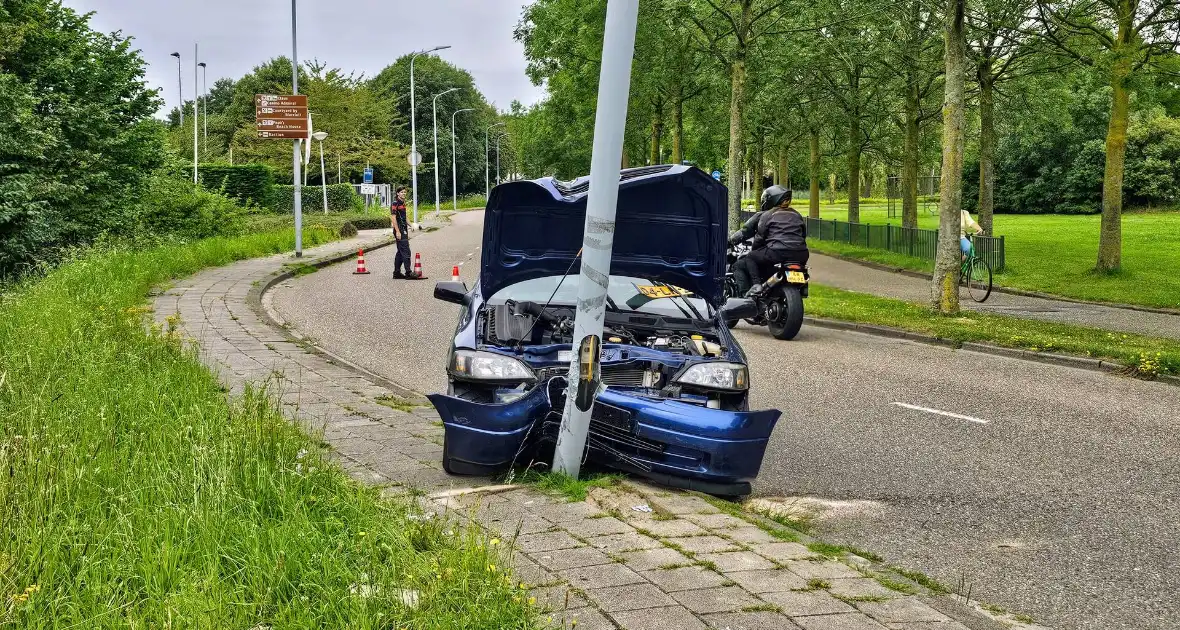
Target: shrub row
x: 247, y: 183
x: 341, y: 198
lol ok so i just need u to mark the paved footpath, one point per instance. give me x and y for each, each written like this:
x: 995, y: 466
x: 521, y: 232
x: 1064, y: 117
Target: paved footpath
x: 632, y: 556
x: 851, y: 276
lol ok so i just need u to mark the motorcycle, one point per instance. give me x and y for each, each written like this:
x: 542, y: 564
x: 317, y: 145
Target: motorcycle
x: 780, y: 303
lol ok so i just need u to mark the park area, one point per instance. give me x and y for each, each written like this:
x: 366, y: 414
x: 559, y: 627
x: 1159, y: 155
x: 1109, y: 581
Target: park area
x: 1054, y: 254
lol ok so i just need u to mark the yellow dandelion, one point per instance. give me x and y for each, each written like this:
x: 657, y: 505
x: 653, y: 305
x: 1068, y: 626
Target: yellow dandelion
x: 532, y: 601
x: 495, y: 541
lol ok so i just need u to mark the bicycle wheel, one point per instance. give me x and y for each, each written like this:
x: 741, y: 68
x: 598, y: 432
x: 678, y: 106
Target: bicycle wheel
x: 979, y: 280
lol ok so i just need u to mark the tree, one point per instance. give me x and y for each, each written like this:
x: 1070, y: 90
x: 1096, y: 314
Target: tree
x: 1123, y: 37
x: 76, y: 135
x: 729, y: 29
x: 999, y: 49
x: 945, y: 284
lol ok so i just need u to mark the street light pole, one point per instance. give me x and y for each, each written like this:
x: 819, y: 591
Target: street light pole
x: 196, y: 114
x: 434, y: 115
x: 205, y: 102
x: 498, y: 159
x: 298, y: 202
x: 180, y: 86
x: 321, y: 136
x: 414, y: 126
x: 487, y: 161
x: 618, y: 50
x: 455, y: 161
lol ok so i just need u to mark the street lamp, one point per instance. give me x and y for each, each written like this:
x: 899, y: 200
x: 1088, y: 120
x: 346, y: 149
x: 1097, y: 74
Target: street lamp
x: 487, y: 160
x: 180, y: 86
x: 498, y: 138
x: 321, y: 136
x: 196, y: 114
x: 414, y: 126
x: 205, y: 102
x: 454, y: 162
x: 434, y: 114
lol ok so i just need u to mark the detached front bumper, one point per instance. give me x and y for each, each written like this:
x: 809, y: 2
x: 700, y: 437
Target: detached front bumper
x: 676, y: 443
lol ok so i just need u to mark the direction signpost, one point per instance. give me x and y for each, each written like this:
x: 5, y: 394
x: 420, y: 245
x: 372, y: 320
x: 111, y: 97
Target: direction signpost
x: 284, y: 117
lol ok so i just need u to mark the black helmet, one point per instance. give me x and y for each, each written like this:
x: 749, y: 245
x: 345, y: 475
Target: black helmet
x: 774, y: 197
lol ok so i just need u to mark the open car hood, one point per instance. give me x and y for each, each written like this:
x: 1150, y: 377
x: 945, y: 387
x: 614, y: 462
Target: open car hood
x: 670, y: 226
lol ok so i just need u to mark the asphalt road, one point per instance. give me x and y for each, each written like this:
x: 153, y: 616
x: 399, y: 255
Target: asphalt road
x: 853, y: 277
x: 1057, y: 494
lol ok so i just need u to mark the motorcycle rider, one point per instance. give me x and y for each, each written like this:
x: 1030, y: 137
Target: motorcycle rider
x: 780, y: 235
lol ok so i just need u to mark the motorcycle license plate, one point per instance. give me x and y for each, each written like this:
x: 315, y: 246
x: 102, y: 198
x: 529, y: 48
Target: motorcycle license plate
x: 796, y: 277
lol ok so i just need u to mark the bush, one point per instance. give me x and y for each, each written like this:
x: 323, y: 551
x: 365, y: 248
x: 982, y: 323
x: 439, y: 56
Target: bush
x: 172, y: 206
x: 246, y: 183
x: 374, y: 223
x: 348, y: 230
x: 341, y: 198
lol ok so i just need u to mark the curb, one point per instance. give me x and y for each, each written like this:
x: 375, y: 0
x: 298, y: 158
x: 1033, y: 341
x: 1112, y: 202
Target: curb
x: 1010, y: 291
x: 272, y: 319
x: 1052, y: 358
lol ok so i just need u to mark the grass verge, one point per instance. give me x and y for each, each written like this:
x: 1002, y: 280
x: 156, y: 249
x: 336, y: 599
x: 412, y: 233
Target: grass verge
x: 136, y: 494
x: 572, y: 489
x: 1144, y: 356
x: 1056, y: 254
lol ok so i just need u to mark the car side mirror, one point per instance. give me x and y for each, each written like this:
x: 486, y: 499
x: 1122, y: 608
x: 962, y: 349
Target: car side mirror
x: 451, y: 291
x: 589, y: 371
x: 739, y: 308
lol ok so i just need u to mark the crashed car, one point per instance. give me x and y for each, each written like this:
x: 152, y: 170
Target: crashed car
x: 675, y: 407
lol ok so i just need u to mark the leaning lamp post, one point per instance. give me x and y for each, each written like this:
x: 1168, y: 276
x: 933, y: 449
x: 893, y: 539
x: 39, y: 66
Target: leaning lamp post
x: 434, y: 115
x: 321, y: 136
x: 614, y: 83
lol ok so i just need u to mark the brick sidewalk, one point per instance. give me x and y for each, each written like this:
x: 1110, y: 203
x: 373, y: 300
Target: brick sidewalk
x: 632, y: 556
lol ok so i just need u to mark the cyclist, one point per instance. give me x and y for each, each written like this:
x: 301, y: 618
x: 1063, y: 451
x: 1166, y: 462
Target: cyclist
x: 780, y: 235
x: 967, y: 223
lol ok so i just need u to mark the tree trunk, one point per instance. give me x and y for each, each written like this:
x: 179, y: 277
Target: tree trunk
x: 759, y: 168
x: 909, y: 159
x: 945, y: 284
x: 1110, y: 239
x: 737, y: 149
x: 854, y: 168
x: 678, y: 128
x: 987, y: 146
x: 626, y: 157
x: 783, y: 173
x: 657, y: 132
x: 813, y: 174
x: 867, y: 190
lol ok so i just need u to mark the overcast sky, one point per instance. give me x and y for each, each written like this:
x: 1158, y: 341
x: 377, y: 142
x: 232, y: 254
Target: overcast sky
x: 361, y: 35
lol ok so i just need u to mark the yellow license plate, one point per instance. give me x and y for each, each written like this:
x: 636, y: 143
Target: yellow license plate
x: 657, y: 292
x: 796, y: 277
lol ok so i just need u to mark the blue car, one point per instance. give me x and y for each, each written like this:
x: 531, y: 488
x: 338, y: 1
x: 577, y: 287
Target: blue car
x: 675, y: 407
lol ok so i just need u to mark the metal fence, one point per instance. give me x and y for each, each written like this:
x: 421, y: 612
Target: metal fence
x: 915, y: 242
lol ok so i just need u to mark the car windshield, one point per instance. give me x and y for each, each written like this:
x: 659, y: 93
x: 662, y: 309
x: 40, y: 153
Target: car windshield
x: 625, y: 294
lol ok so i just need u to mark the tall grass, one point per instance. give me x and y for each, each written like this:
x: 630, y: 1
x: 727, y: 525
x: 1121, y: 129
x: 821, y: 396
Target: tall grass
x: 135, y: 494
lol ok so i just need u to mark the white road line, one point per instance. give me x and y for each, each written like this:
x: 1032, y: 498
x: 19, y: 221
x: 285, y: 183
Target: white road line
x: 942, y: 413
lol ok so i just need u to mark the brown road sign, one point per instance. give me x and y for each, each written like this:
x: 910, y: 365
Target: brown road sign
x: 268, y: 124
x: 282, y: 135
x: 281, y: 113
x: 275, y: 100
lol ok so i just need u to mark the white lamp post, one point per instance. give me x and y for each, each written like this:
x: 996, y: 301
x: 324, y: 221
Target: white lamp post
x: 321, y: 135
x: 434, y: 115
x: 414, y: 126
x: 196, y: 114
x: 180, y: 86
x: 487, y: 161
x: 295, y: 143
x: 205, y: 102
x: 454, y: 161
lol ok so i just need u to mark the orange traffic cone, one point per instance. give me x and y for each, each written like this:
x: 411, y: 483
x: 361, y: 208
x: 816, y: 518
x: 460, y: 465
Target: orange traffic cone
x: 455, y: 273
x: 418, y: 266
x: 360, y: 263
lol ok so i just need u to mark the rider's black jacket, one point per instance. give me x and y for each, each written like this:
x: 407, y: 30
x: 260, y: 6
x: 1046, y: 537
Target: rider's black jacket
x: 777, y: 229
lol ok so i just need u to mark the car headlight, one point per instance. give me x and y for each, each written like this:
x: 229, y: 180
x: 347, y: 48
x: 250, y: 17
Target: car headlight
x: 716, y: 375
x: 473, y: 364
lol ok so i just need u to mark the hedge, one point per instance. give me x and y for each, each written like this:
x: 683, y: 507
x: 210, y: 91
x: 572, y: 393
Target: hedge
x: 247, y: 183
x: 341, y: 198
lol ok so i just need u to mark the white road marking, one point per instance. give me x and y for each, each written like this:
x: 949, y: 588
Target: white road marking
x: 942, y: 413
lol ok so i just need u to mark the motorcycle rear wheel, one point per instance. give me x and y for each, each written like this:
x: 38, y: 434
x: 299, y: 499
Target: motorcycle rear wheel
x: 787, y: 325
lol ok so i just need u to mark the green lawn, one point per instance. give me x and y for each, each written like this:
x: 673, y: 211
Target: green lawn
x: 135, y: 494
x: 1056, y: 254
x: 1143, y: 355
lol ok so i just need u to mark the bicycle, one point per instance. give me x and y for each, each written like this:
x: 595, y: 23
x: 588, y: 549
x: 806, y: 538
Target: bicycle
x: 976, y: 275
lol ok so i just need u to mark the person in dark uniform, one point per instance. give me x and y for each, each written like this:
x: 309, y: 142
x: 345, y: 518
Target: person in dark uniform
x: 780, y: 235
x: 401, y: 235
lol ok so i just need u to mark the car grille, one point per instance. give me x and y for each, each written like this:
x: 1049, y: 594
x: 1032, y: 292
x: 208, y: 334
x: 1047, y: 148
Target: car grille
x: 623, y: 375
